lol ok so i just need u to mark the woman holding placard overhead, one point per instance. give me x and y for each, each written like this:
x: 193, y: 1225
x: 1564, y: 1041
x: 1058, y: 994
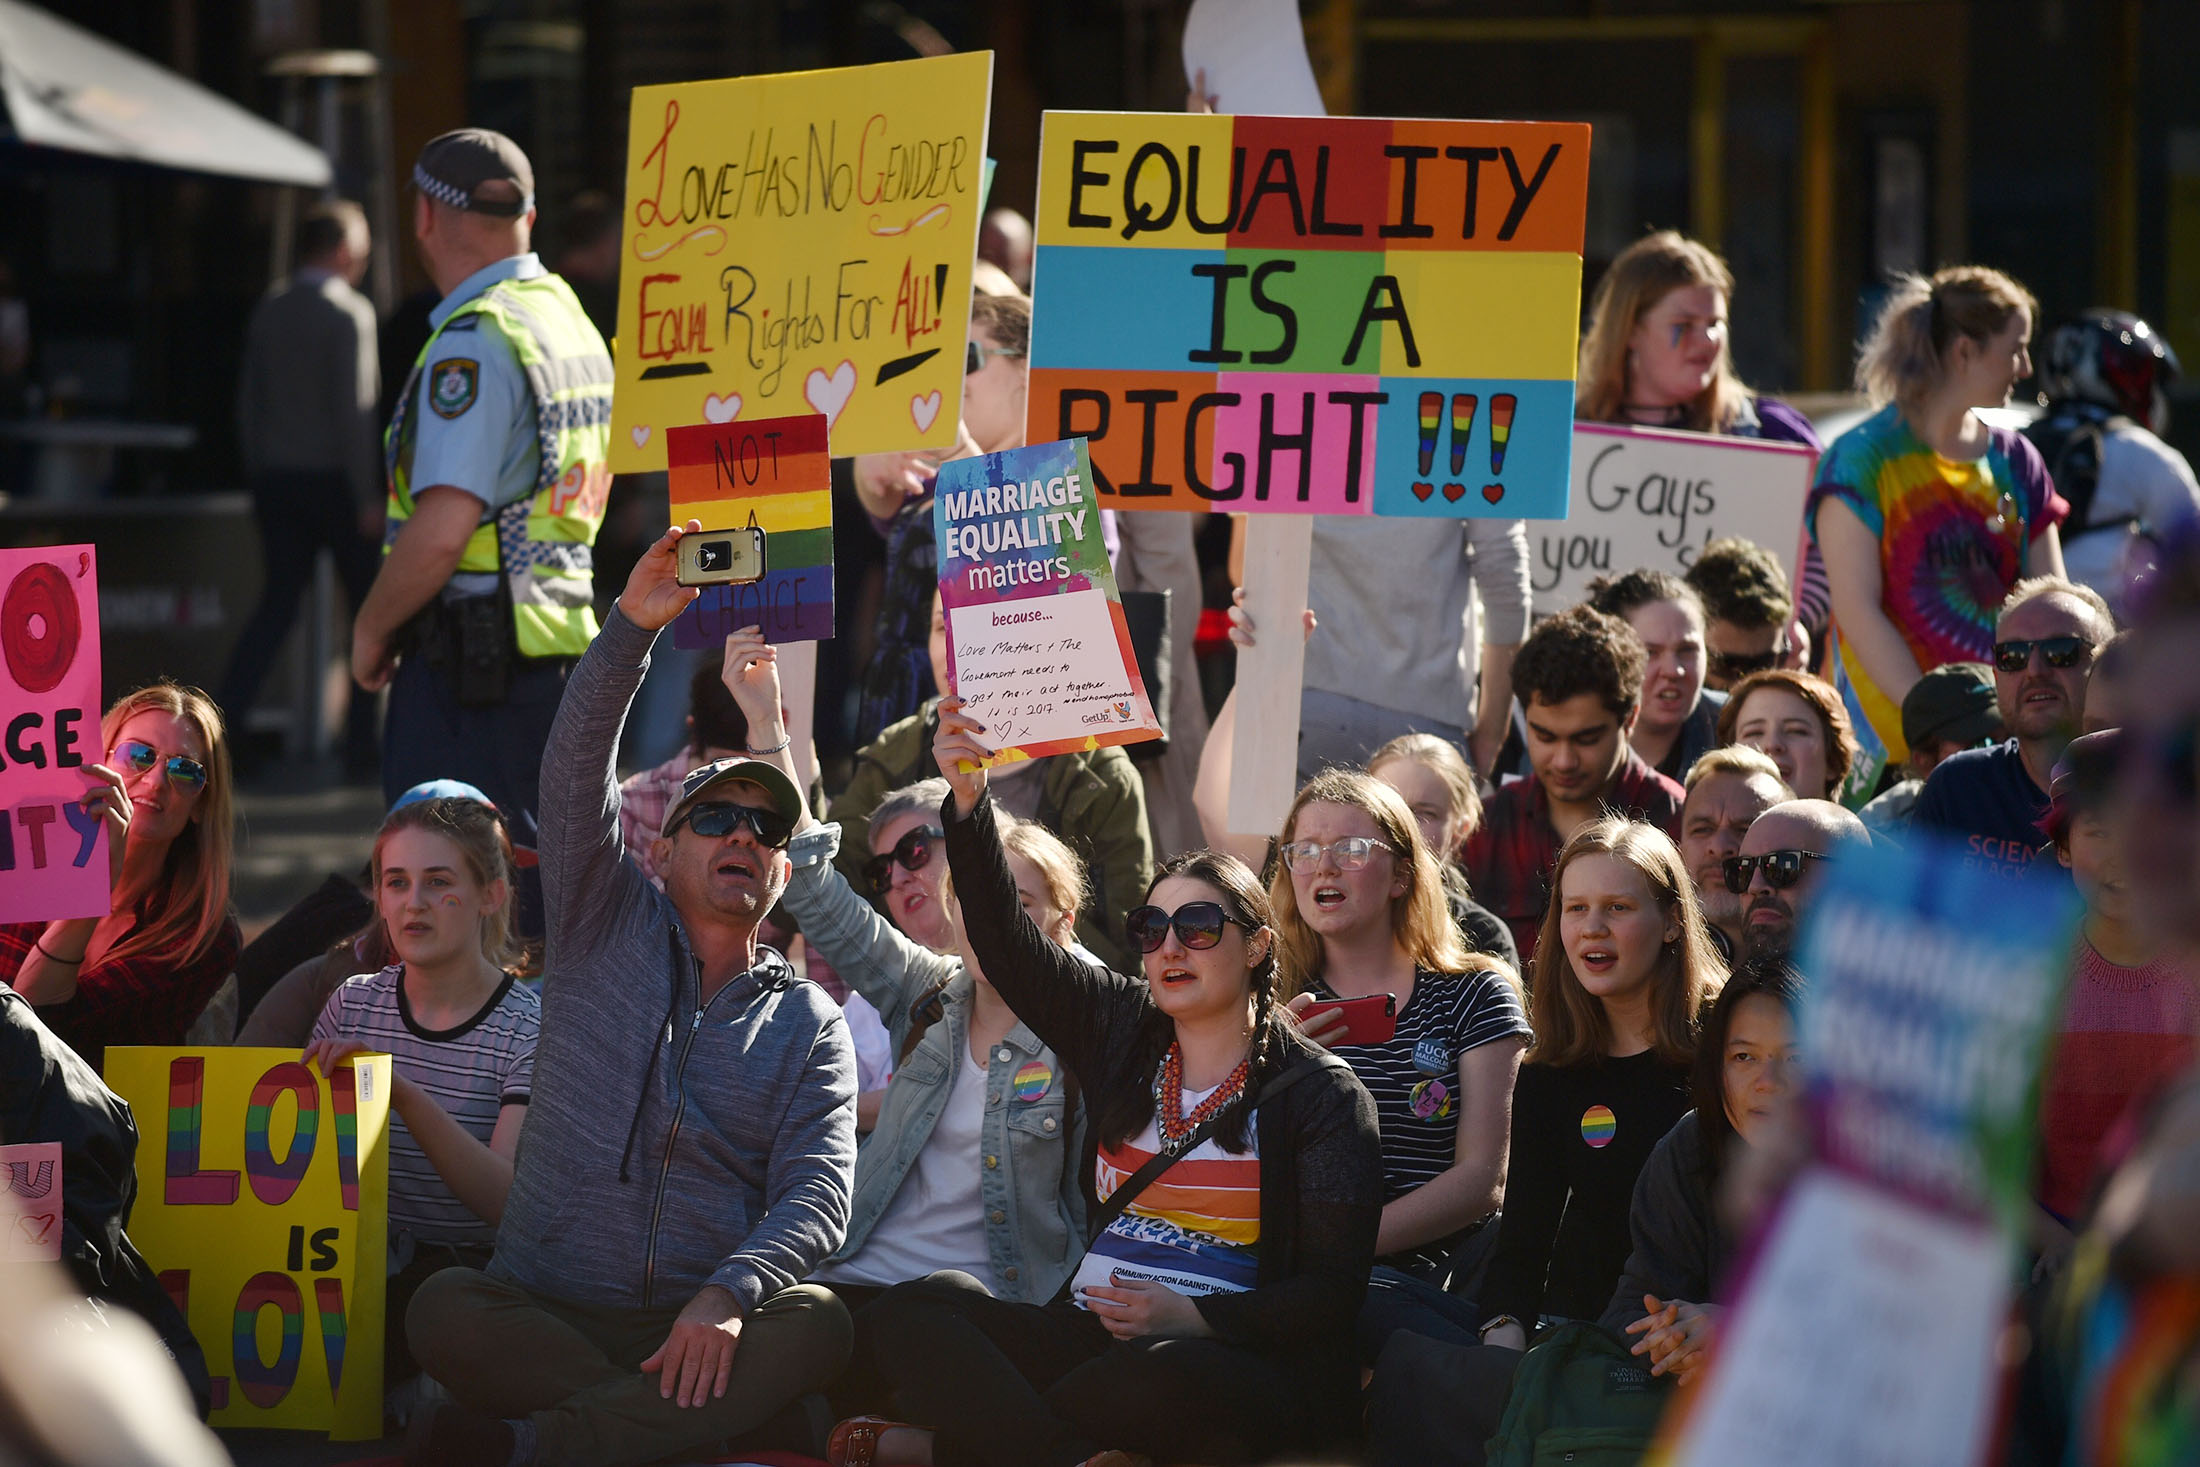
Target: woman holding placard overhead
x: 1927, y: 514
x: 1655, y: 355
x: 142, y: 974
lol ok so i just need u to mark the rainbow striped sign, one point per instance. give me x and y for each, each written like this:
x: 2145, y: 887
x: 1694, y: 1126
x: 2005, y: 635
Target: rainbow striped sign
x: 774, y: 474
x: 1311, y: 315
x: 265, y: 1213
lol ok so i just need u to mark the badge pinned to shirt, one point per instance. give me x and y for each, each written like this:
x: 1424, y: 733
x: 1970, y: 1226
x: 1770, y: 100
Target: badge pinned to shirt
x: 455, y: 385
x: 1031, y: 1083
x: 1599, y: 1126
x: 1432, y: 1100
x: 1432, y: 1056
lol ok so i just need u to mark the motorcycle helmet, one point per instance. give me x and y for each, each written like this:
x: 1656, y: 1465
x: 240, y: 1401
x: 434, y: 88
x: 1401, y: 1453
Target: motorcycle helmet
x: 2113, y: 360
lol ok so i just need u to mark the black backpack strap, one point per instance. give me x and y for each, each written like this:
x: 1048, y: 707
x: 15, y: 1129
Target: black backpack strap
x: 1138, y: 1181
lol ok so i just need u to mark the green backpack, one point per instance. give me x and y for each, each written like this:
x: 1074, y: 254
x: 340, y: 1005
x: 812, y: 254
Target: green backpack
x: 1580, y: 1398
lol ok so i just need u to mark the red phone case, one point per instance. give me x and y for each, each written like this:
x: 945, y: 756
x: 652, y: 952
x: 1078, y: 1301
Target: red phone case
x: 1369, y: 1020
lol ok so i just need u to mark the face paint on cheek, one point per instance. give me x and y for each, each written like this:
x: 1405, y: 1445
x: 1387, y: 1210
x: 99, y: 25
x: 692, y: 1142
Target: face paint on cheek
x: 450, y: 899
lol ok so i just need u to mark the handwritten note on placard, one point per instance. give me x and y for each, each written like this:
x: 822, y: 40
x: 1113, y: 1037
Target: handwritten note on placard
x: 772, y: 474
x: 1311, y: 315
x: 801, y: 242
x: 30, y: 1174
x: 266, y: 1212
x: 1649, y: 497
x: 1037, y: 646
x: 53, y: 852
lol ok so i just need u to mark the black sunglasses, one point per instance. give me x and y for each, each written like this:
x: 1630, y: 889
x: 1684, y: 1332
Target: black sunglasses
x: 913, y: 852
x: 184, y: 774
x: 2060, y: 652
x: 1782, y: 869
x: 722, y: 818
x: 1197, y: 924
x: 1738, y: 665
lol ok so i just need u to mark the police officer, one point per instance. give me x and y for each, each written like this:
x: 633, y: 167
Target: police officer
x: 498, y: 461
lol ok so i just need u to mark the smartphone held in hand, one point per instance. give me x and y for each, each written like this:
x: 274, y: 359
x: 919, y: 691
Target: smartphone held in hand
x: 721, y: 557
x: 1369, y: 1020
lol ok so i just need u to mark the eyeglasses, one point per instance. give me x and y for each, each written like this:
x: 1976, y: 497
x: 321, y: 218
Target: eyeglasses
x: 1782, y: 869
x: 2061, y: 652
x: 1197, y: 924
x: 1738, y: 665
x: 722, y: 818
x: 1351, y: 854
x: 188, y: 775
x: 976, y: 354
x: 913, y: 852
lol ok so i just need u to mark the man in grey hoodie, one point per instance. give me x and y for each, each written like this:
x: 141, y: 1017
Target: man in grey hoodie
x: 689, y: 1152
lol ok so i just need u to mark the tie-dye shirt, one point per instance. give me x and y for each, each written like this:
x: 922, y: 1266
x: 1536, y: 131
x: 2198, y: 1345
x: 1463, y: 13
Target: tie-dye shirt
x: 1195, y: 1228
x: 1952, y: 541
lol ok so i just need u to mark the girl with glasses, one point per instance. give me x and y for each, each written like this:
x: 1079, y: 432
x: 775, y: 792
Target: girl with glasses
x: 970, y: 1162
x: 1360, y: 913
x: 1211, y: 1319
x: 142, y: 974
x: 1622, y: 968
x: 460, y: 1031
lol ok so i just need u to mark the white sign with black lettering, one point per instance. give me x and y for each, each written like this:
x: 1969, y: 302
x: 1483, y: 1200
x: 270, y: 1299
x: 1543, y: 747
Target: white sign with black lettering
x: 1045, y: 670
x: 1651, y: 497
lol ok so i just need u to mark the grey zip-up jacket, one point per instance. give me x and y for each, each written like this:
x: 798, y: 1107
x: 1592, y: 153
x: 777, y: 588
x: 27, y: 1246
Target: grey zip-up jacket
x: 670, y: 1143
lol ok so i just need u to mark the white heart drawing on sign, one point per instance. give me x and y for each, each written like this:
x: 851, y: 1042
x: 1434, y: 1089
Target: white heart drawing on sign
x: 718, y: 409
x: 830, y: 394
x: 922, y: 410
x: 639, y: 435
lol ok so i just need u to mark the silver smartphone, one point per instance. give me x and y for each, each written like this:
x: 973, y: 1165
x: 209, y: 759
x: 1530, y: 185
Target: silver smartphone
x: 721, y: 557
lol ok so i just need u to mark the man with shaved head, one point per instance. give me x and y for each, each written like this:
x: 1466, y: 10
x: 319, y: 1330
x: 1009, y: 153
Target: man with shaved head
x: 1783, y: 866
x: 1992, y: 800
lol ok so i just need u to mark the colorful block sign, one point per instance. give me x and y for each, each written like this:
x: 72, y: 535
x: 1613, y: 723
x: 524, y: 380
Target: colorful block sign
x: 53, y: 851
x: 263, y: 1202
x: 1037, y: 647
x: 30, y: 1176
x: 1652, y: 497
x: 801, y: 242
x: 772, y: 475
x: 1311, y: 315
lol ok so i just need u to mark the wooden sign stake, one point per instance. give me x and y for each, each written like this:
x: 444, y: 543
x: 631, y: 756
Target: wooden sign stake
x: 1264, y: 758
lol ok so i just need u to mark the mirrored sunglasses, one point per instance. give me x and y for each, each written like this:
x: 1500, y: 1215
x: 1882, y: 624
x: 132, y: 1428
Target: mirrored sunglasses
x: 1197, y: 924
x: 913, y: 852
x: 721, y: 818
x: 1782, y: 869
x: 1351, y: 854
x: 185, y: 774
x: 976, y: 354
x: 2060, y: 652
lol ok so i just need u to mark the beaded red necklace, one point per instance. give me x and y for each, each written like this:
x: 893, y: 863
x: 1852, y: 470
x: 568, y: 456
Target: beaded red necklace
x: 1168, y: 1098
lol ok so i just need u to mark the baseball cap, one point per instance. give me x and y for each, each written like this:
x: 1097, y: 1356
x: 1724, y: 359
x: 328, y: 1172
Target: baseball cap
x: 1954, y: 701
x: 700, y: 781
x: 452, y: 168
x: 2088, y: 767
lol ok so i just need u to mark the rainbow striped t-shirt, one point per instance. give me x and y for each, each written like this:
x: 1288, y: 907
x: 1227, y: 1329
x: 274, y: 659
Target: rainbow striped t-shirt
x: 1195, y: 1228
x: 1952, y: 541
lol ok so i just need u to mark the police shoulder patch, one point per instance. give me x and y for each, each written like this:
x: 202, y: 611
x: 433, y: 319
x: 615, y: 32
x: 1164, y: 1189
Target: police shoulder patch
x: 453, y: 384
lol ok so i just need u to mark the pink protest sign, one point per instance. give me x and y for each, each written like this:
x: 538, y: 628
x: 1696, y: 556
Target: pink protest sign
x: 53, y: 855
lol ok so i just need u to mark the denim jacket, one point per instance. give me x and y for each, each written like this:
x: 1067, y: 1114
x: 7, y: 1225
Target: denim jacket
x: 1032, y: 1135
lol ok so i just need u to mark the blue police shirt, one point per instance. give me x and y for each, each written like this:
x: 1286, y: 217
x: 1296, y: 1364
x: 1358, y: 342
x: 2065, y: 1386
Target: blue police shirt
x: 474, y: 416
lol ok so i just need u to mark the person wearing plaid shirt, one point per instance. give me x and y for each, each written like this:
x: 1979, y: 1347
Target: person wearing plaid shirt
x: 1579, y: 680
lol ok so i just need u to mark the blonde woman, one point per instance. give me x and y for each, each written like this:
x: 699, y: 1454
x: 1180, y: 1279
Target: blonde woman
x: 1361, y: 914
x: 141, y: 974
x: 1432, y: 777
x: 1655, y: 354
x: 1928, y: 516
x: 1623, y: 968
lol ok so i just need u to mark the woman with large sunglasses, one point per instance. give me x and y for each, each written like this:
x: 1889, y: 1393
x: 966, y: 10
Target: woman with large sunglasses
x: 141, y: 974
x: 1361, y: 915
x: 1623, y: 966
x: 1235, y: 1169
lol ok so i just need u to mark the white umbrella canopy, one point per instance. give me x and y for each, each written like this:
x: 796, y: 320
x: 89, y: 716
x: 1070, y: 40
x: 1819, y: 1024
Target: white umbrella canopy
x: 64, y: 87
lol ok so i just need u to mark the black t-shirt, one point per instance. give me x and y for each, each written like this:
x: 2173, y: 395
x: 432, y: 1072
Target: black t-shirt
x: 1414, y: 1079
x: 1580, y: 1136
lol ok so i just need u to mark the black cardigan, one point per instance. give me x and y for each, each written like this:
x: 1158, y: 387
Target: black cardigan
x: 1321, y: 1165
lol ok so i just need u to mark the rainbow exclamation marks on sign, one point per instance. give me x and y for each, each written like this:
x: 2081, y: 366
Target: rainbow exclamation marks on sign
x: 1432, y: 417
x: 1463, y: 405
x: 1501, y: 424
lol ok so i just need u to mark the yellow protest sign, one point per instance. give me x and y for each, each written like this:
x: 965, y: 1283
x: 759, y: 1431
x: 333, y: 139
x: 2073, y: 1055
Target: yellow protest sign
x: 263, y: 1202
x: 801, y: 243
